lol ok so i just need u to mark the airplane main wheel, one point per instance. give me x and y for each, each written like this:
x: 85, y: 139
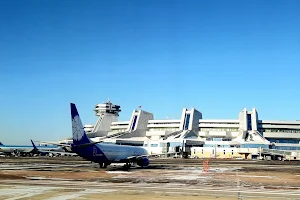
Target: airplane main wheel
x: 101, y: 165
x: 126, y: 166
x: 105, y: 165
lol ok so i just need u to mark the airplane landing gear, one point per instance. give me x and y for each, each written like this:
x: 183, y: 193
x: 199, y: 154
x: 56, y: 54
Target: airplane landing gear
x: 103, y: 165
x: 127, y: 166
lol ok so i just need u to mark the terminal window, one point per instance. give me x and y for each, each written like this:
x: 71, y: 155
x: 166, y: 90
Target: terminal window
x: 134, y: 122
x: 187, y: 120
x: 249, y: 122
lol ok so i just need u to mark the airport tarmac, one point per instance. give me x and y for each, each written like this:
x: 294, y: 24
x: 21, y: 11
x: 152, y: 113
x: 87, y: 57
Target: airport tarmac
x: 74, y: 178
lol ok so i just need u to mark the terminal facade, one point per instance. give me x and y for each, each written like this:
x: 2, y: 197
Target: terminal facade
x: 244, y: 137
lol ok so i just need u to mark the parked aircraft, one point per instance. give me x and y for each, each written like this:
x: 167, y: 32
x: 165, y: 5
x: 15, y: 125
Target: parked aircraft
x: 23, y: 150
x: 61, y: 152
x: 101, y: 153
x: 65, y: 146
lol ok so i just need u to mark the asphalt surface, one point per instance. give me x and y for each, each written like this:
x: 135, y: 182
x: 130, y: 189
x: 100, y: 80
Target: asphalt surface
x: 75, y: 178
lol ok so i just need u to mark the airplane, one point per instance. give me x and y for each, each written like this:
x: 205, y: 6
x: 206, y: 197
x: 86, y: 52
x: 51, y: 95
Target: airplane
x: 23, y: 150
x: 104, y: 154
x: 51, y: 152
x: 65, y: 146
x: 16, y: 150
x: 1, y: 153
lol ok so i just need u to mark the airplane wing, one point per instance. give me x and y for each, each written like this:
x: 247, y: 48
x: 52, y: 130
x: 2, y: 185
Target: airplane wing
x: 101, y: 139
x: 28, y: 150
x: 69, y: 145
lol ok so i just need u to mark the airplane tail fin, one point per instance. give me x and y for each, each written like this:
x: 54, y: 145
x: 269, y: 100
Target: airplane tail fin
x: 79, y: 135
x: 34, y: 147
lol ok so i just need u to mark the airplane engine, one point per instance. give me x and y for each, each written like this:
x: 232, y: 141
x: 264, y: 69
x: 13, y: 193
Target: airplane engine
x: 16, y: 152
x: 143, y: 162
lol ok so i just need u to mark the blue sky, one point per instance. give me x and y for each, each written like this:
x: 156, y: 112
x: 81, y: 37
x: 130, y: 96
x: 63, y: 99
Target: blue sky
x: 216, y: 56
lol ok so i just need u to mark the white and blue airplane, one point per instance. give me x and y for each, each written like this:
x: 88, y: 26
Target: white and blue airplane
x: 23, y: 150
x: 102, y: 153
x: 51, y: 152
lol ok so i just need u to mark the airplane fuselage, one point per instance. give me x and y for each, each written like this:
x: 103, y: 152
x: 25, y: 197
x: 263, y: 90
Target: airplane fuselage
x: 23, y: 149
x: 11, y: 148
x: 109, y: 153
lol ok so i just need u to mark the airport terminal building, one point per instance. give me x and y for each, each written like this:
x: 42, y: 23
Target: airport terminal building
x: 245, y: 137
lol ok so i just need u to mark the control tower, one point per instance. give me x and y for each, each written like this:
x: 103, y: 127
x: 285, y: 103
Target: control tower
x: 107, y: 113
